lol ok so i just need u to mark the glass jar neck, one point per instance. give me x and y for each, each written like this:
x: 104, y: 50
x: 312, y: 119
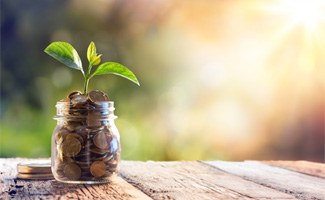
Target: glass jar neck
x: 98, y: 111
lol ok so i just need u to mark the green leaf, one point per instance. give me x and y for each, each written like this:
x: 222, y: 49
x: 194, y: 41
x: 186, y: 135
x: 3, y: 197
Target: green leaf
x: 65, y: 53
x: 95, y: 60
x: 117, y: 69
x: 91, y: 51
x: 92, y: 56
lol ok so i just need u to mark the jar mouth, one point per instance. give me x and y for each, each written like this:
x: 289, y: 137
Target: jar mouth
x: 102, y: 110
x: 107, y: 104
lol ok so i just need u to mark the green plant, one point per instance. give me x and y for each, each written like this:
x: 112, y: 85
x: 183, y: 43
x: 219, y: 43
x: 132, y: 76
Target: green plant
x: 66, y: 54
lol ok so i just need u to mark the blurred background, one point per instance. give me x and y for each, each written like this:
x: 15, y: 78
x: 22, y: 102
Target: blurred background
x: 228, y: 80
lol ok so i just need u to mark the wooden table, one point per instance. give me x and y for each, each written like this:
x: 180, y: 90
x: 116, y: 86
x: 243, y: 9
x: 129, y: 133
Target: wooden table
x: 181, y: 180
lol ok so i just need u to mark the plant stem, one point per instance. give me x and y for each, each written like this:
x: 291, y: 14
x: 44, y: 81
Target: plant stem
x: 86, y: 85
x: 87, y: 78
x: 89, y: 68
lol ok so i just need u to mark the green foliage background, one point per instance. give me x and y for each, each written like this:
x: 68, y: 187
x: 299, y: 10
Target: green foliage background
x: 28, y: 91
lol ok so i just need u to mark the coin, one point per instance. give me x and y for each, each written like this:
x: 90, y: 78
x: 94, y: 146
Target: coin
x: 106, y: 158
x: 94, y: 119
x: 35, y: 167
x: 62, y: 133
x: 98, y: 169
x: 96, y: 150
x: 112, y: 165
x: 71, y: 146
x: 100, y: 140
x: 97, y: 96
x: 72, y: 171
x: 79, y: 100
x: 83, y: 163
x: 77, y: 136
x: 73, y: 94
x: 35, y: 176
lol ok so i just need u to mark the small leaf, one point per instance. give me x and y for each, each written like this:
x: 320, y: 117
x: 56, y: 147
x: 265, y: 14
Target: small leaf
x: 65, y: 53
x: 91, y: 51
x: 95, y: 60
x: 117, y: 69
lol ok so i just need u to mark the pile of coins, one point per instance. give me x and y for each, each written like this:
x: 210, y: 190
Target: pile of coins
x: 85, y: 143
x: 35, y: 170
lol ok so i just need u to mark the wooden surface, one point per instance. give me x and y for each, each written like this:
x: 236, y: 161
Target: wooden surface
x: 314, y: 169
x: 181, y: 180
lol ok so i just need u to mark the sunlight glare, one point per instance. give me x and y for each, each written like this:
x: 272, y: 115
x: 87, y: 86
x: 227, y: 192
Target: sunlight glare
x: 307, y: 13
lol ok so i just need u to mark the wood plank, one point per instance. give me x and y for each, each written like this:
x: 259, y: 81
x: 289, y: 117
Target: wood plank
x: 10, y: 187
x: 306, y: 167
x: 192, y: 180
x: 300, y: 185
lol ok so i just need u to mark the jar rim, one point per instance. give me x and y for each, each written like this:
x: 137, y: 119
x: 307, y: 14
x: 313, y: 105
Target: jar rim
x: 105, y: 108
x: 108, y: 103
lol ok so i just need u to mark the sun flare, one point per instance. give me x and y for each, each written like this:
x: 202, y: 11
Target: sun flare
x: 310, y: 14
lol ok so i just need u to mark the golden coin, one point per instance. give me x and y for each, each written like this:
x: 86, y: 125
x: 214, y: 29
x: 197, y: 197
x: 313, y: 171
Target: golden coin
x: 98, y: 169
x: 35, y: 176
x: 35, y: 167
x: 62, y: 133
x: 97, y: 96
x: 71, y: 146
x: 100, y: 140
x: 72, y: 171
x: 77, y: 136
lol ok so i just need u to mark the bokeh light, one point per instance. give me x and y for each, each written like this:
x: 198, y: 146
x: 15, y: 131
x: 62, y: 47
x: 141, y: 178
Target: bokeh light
x: 226, y: 80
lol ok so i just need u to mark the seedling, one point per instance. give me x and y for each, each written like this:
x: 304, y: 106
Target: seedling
x: 66, y: 54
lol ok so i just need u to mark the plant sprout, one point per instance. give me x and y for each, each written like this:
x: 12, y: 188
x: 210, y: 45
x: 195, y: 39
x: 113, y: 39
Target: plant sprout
x: 66, y: 54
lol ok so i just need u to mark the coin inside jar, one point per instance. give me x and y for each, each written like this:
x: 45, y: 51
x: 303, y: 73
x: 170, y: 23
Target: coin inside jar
x: 94, y: 119
x: 77, y: 136
x: 78, y: 100
x: 62, y: 133
x: 97, y: 96
x: 71, y: 146
x: 73, y: 94
x: 72, y: 171
x: 86, y: 146
x: 100, y: 140
x: 98, y: 169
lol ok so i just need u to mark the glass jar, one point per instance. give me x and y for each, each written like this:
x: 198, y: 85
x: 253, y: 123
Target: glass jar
x: 85, y: 143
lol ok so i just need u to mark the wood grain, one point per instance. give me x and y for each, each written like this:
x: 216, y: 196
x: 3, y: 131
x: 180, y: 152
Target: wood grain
x: 10, y: 187
x: 192, y: 180
x: 310, y: 168
x: 300, y: 185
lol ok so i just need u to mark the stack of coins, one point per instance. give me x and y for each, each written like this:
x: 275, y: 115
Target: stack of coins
x: 86, y: 147
x: 40, y: 169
